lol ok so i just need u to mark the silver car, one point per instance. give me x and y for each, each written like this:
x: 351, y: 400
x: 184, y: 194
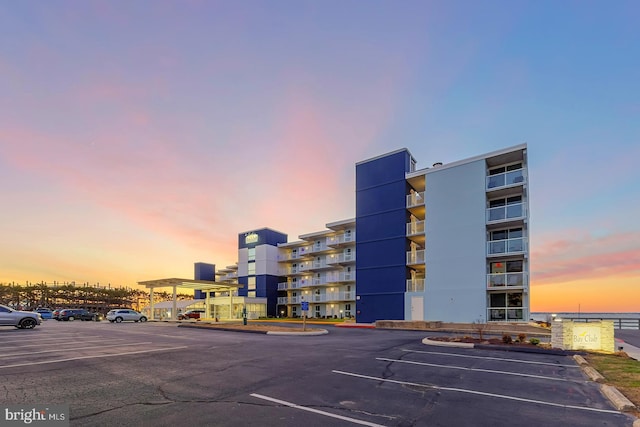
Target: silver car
x: 124, y: 314
x: 19, y: 319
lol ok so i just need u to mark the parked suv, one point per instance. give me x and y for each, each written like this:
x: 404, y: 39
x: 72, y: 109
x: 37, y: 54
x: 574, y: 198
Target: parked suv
x: 77, y: 313
x: 125, y: 314
x: 19, y: 319
x: 191, y: 314
x: 45, y: 313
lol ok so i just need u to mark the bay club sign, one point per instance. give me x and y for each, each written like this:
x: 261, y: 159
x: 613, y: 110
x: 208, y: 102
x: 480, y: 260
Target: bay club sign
x: 571, y: 335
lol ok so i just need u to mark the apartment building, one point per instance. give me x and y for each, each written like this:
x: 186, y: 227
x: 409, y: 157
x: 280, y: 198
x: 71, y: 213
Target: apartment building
x: 448, y: 242
x: 319, y: 269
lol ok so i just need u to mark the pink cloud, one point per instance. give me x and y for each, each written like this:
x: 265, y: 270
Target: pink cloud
x: 580, y: 256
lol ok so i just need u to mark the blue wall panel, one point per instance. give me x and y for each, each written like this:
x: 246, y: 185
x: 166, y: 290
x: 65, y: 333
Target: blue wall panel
x: 203, y: 271
x: 381, y: 245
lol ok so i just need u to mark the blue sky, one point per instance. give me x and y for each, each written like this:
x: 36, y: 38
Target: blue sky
x: 134, y: 134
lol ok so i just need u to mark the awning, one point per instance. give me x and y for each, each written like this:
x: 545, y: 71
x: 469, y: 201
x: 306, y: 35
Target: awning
x: 180, y: 304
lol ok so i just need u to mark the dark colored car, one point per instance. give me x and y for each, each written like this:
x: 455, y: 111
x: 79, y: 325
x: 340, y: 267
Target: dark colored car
x: 56, y: 313
x: 45, y: 313
x: 80, y: 314
x: 191, y: 314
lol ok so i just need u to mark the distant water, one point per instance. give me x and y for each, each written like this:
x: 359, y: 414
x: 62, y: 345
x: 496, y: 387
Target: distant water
x: 544, y: 316
x: 629, y: 320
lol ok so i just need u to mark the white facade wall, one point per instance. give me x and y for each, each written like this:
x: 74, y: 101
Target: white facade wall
x: 455, y: 249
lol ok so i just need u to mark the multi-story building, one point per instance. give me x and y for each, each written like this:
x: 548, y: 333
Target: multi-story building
x: 448, y: 242
x: 319, y: 269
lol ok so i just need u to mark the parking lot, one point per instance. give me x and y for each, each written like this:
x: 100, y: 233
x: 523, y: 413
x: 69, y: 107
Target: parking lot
x: 159, y: 374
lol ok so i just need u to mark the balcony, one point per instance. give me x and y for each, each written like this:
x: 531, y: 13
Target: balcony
x: 302, y: 252
x: 415, y: 199
x: 415, y: 228
x: 507, y: 280
x: 343, y: 258
x: 507, y: 212
x: 506, y: 246
x: 415, y: 257
x: 341, y: 239
x: 318, y: 247
x: 338, y: 277
x: 339, y: 296
x: 515, y: 177
x: 415, y: 285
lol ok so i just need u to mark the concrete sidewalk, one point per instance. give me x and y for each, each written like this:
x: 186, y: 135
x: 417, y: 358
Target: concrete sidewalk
x: 632, y: 351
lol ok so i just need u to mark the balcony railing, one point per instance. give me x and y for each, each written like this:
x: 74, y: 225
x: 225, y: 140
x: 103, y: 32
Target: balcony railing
x: 415, y: 257
x: 504, y: 179
x: 415, y: 228
x: 338, y: 258
x: 341, y: 238
x: 506, y: 280
x: 415, y: 285
x: 415, y: 199
x: 501, y: 213
x: 283, y: 286
x: 506, y: 246
x: 318, y: 247
x: 290, y: 255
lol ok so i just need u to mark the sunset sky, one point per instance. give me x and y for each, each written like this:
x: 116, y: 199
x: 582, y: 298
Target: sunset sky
x: 139, y: 137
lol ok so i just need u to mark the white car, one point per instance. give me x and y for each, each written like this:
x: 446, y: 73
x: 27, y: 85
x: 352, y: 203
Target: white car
x: 19, y: 319
x: 124, y: 314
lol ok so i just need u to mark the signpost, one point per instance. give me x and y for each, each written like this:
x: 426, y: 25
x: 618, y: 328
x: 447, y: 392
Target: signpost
x: 305, y: 307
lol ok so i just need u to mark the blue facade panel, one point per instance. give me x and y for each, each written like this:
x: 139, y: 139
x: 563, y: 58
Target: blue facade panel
x: 203, y: 271
x: 263, y: 236
x: 381, y: 244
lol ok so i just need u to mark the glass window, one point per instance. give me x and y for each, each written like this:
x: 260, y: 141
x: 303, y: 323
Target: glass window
x: 499, y: 235
x: 496, y: 171
x: 251, y: 283
x: 251, y: 294
x: 251, y: 254
x: 515, y: 233
x: 251, y: 269
x: 515, y: 300
x: 514, y: 167
x: 498, y: 300
x: 498, y: 267
x: 515, y: 266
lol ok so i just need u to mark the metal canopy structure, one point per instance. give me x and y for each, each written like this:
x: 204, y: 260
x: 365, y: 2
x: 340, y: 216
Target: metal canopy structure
x: 205, y: 286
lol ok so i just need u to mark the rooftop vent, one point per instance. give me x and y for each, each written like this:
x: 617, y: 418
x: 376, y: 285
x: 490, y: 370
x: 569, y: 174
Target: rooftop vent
x: 436, y: 164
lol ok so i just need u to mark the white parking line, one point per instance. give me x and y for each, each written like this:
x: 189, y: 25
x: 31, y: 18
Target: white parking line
x: 50, y: 337
x: 491, y: 371
x: 316, y: 411
x: 40, y: 344
x: 57, y: 350
x: 501, y: 359
x: 481, y: 393
x: 45, y: 362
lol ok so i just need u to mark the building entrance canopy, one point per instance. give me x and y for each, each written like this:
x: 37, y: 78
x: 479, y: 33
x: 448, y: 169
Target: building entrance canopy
x: 205, y: 286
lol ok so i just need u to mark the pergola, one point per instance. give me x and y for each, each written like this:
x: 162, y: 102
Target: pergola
x: 205, y: 286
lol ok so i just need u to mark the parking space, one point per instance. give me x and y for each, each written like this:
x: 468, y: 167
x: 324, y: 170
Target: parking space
x: 159, y: 374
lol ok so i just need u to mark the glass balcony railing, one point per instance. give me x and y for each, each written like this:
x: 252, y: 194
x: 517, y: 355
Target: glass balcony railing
x: 415, y: 228
x: 506, y: 246
x: 415, y: 285
x: 506, y: 280
x: 415, y: 257
x: 501, y: 213
x: 504, y: 179
x: 415, y: 199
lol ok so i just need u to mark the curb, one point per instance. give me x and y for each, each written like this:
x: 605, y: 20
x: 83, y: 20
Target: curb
x: 310, y: 333
x: 617, y: 399
x: 307, y: 334
x: 427, y: 341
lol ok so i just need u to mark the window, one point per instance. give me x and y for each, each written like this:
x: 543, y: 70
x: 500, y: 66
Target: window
x: 251, y: 294
x: 251, y: 283
x: 251, y: 254
x: 251, y: 269
x: 317, y: 311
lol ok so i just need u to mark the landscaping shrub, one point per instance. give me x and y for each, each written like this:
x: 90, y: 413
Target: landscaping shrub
x: 522, y: 337
x: 506, y: 338
x: 534, y: 341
